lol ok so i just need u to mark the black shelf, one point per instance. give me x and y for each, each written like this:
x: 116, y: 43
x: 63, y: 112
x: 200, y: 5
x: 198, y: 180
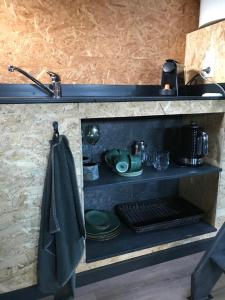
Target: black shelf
x: 107, y: 177
x: 129, y: 241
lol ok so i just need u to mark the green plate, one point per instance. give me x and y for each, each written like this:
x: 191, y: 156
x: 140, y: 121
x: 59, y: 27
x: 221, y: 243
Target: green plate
x: 130, y: 174
x: 98, y: 219
x: 105, y: 237
x: 113, y: 221
x: 104, y: 233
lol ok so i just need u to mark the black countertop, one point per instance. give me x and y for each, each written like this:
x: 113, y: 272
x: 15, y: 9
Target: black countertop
x: 85, y: 93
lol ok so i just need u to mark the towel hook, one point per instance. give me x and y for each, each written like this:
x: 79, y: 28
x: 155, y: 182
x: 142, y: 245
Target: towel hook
x: 56, y: 131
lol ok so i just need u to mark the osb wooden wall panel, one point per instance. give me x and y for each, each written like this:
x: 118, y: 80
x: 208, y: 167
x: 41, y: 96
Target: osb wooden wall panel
x: 199, y: 42
x: 94, y: 41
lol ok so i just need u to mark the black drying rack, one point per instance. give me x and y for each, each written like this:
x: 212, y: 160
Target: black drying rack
x: 164, y: 213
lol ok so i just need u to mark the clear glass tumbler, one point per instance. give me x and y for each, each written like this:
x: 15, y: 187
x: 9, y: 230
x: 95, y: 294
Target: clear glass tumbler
x: 161, y: 160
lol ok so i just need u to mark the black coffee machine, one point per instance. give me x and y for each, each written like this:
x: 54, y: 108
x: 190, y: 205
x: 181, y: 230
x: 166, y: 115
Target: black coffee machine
x: 194, y: 145
x: 172, y: 78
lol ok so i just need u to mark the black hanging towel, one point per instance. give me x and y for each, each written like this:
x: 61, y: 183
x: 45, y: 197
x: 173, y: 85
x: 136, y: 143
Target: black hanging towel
x: 61, y: 242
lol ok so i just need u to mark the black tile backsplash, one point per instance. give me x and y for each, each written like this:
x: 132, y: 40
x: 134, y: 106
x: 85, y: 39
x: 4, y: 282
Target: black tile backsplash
x: 159, y: 133
x: 106, y: 198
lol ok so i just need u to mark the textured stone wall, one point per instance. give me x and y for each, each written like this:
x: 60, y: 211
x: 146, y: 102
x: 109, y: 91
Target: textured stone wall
x: 94, y: 41
x: 25, y: 132
x: 23, y: 155
x: 208, y: 41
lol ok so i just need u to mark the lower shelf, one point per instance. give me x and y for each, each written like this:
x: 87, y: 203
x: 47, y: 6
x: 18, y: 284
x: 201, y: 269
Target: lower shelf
x: 129, y: 241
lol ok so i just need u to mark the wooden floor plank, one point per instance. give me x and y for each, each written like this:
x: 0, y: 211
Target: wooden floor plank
x: 166, y: 281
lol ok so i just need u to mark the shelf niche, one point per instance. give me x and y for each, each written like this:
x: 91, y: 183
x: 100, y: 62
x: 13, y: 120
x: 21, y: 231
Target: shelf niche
x: 197, y: 185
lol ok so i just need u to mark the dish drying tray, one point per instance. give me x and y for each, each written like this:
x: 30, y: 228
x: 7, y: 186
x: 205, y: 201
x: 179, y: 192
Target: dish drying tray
x: 163, y: 213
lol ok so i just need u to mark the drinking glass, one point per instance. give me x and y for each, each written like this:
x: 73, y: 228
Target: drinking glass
x: 161, y: 160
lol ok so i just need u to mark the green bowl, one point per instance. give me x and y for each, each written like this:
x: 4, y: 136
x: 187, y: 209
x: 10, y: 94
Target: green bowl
x: 111, y: 154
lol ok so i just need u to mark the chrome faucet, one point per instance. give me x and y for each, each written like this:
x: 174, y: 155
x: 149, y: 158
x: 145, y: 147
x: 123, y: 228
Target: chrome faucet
x: 55, y: 90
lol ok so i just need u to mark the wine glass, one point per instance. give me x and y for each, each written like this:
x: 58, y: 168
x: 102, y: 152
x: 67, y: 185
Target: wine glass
x: 92, y: 136
x: 161, y: 160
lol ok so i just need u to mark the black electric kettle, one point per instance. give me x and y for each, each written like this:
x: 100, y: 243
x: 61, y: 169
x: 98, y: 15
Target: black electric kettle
x: 194, y: 145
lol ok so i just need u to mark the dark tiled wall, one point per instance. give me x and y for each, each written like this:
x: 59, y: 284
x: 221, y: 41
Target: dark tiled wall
x: 158, y: 133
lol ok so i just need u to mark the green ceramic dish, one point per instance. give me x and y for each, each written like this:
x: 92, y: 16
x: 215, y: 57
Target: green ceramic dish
x: 96, y: 231
x: 121, y: 163
x: 104, y: 233
x: 104, y: 237
x: 111, y: 154
x: 98, y: 219
x: 131, y: 174
x: 135, y: 163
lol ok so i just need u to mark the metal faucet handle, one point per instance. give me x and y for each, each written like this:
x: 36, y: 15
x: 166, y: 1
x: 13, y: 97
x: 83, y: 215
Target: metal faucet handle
x: 56, y: 84
x: 11, y: 68
x: 55, y: 91
x: 55, y: 77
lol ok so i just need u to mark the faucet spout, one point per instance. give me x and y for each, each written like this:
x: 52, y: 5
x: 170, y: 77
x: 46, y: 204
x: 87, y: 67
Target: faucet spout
x: 56, y: 82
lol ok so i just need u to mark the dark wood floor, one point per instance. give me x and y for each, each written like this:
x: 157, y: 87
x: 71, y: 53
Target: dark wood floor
x: 166, y: 281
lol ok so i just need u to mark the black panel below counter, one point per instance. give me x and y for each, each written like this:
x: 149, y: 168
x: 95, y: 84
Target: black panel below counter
x: 129, y: 241
x: 87, y: 93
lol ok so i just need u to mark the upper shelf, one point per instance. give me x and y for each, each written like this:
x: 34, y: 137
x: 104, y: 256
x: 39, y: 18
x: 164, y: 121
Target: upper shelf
x: 87, y: 93
x: 108, y: 178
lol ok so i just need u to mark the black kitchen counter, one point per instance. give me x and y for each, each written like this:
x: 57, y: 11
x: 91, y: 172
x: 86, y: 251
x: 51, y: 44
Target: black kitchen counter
x: 42, y: 100
x: 84, y: 93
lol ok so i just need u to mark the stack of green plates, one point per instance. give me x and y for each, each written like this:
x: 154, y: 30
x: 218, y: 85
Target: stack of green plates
x: 101, y: 225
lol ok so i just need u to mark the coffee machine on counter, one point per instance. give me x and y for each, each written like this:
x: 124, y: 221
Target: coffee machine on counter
x: 194, y: 145
x: 172, y: 78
